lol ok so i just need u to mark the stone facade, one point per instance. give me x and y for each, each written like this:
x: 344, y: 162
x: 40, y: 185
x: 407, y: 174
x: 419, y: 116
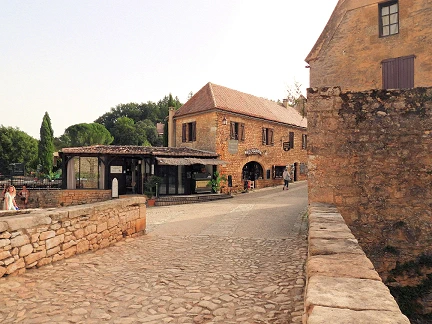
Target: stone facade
x: 350, y: 50
x: 213, y: 135
x: 370, y: 155
x: 33, y: 238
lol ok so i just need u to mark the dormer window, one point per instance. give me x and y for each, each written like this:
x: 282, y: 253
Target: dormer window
x: 389, y: 18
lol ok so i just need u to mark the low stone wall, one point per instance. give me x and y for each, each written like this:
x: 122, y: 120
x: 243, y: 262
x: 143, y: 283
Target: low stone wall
x: 342, y: 285
x: 63, y: 198
x: 33, y: 238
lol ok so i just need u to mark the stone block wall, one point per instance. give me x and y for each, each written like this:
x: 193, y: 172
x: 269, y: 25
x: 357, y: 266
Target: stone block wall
x: 370, y: 155
x: 64, y: 198
x: 342, y: 285
x: 33, y: 238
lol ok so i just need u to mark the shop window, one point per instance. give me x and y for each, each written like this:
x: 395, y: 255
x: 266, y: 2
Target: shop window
x: 389, y: 18
x: 237, y: 131
x: 189, y: 132
x: 278, y: 171
x: 267, y: 136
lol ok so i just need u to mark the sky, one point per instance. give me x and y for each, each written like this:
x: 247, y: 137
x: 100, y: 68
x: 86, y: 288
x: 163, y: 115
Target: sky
x: 78, y: 59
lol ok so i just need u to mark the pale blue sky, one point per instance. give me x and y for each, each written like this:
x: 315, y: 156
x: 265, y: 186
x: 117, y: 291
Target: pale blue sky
x: 77, y: 59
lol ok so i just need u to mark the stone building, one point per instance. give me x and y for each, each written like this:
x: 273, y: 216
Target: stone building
x: 370, y: 44
x: 257, y: 137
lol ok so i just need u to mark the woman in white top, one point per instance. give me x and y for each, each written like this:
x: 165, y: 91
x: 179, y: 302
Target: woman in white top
x: 9, y: 201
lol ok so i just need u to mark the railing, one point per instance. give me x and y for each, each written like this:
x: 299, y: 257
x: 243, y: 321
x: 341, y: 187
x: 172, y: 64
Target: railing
x: 30, y: 182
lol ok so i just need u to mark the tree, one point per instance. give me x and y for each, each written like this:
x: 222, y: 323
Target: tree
x: 296, y: 99
x: 85, y: 135
x: 126, y: 132
x: 46, y: 146
x: 149, y: 112
x: 294, y: 93
x: 17, y: 147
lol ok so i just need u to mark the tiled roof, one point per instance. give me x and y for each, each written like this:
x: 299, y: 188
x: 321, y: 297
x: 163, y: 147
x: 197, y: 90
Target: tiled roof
x: 137, y: 150
x: 213, y: 96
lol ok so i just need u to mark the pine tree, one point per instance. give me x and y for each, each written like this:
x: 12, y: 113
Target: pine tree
x: 46, y: 146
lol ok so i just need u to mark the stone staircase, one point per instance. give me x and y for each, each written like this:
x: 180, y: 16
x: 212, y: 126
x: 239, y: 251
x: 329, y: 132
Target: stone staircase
x: 191, y: 199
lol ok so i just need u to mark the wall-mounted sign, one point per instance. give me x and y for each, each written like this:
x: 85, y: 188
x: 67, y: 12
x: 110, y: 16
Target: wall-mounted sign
x: 286, y: 146
x: 233, y: 146
x: 253, y: 151
x: 116, y: 169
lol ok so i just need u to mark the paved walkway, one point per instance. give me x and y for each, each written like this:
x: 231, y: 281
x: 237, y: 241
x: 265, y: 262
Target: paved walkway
x: 216, y: 262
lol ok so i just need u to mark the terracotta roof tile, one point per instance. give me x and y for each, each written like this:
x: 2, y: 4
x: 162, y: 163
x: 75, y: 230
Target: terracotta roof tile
x: 137, y: 150
x: 213, y: 96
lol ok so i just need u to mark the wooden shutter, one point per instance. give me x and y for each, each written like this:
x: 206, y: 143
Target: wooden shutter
x: 242, y: 132
x: 264, y: 136
x: 193, y: 131
x: 270, y: 135
x: 184, y: 127
x: 398, y: 73
x: 291, y: 139
x: 304, y: 141
x: 232, y: 130
x: 406, y: 72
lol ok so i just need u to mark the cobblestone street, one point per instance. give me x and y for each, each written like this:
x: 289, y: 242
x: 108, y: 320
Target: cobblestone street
x: 239, y: 260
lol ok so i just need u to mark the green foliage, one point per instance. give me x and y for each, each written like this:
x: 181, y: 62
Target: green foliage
x: 150, y: 113
x: 46, y: 146
x: 216, y: 181
x: 294, y: 93
x: 127, y: 132
x: 150, y: 185
x: 17, y: 147
x: 85, y: 135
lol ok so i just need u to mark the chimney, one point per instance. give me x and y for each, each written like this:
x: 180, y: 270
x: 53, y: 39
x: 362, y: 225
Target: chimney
x: 285, y: 103
x: 171, y: 129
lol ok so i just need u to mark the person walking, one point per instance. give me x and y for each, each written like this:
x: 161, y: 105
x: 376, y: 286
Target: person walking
x: 9, y: 201
x: 286, y: 176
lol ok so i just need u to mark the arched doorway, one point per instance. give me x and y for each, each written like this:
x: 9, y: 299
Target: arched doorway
x: 252, y: 171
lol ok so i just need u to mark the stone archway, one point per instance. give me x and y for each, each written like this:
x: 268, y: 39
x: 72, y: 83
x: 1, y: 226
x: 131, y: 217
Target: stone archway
x: 252, y: 171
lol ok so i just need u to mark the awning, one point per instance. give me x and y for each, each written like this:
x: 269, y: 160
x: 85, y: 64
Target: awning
x: 189, y: 161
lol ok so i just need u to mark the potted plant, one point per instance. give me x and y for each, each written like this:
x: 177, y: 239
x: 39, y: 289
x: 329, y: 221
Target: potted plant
x: 151, y: 188
x: 215, y: 182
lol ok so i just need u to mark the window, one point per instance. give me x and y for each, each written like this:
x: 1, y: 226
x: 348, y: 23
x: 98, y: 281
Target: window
x: 237, y: 131
x: 398, y: 73
x: 278, y: 171
x: 291, y: 139
x: 304, y: 141
x: 389, y: 18
x: 189, y: 132
x: 267, y: 136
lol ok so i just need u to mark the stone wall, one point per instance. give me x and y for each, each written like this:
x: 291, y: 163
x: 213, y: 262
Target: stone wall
x: 370, y: 155
x: 33, y: 238
x: 341, y: 283
x: 64, y: 198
